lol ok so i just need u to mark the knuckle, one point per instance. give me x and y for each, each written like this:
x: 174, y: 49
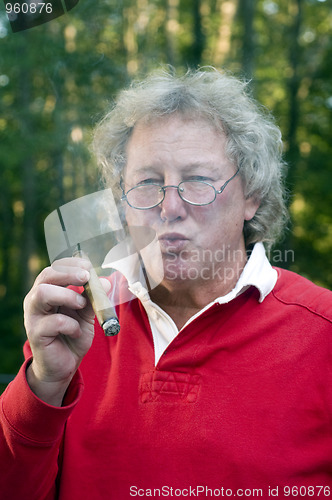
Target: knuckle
x: 40, y: 293
x: 66, y: 325
x: 60, y: 323
x: 33, y: 298
x: 44, y: 276
x: 76, y: 330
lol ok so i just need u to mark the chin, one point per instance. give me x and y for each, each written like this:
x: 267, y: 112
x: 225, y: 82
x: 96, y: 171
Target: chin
x: 179, y: 273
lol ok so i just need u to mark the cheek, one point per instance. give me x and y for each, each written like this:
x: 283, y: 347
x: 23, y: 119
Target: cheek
x: 217, y: 212
x: 224, y: 216
x: 139, y: 217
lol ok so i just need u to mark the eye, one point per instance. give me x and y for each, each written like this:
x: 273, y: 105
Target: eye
x: 149, y: 181
x: 201, y: 178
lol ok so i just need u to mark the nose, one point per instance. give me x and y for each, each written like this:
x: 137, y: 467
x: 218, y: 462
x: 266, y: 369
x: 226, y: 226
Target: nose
x: 172, y: 207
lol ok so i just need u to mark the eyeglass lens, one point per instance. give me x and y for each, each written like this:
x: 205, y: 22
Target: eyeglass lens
x: 194, y: 192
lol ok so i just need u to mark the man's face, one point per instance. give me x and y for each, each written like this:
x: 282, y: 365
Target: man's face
x: 198, y: 243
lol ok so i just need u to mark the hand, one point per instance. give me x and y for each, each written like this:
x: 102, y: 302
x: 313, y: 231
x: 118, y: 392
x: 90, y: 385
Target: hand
x: 60, y: 327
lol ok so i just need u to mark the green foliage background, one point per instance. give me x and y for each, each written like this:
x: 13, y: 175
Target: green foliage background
x: 57, y: 79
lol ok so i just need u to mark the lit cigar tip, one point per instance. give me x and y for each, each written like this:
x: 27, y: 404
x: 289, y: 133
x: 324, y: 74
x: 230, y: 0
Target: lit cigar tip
x: 111, y: 327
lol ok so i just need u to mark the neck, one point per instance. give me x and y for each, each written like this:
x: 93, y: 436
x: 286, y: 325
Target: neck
x: 181, y: 299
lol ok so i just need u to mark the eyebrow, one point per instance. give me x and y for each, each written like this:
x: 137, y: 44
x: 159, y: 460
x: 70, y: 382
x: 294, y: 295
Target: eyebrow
x: 194, y: 166
x: 212, y: 167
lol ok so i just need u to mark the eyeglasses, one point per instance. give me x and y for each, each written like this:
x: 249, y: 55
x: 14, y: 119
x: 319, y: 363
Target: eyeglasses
x: 145, y: 196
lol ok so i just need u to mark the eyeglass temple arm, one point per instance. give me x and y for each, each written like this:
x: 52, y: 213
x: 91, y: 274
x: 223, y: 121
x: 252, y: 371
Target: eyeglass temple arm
x: 229, y: 180
x: 123, y: 197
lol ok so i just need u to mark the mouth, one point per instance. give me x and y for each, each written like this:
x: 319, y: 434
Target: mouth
x: 173, y: 241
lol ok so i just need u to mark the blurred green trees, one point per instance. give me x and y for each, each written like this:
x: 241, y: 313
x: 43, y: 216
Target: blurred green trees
x: 57, y: 79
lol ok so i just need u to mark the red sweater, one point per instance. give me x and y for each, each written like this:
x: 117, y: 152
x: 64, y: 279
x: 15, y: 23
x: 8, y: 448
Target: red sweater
x: 240, y: 400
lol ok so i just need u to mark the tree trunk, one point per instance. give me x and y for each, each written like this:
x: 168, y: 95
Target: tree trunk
x: 246, y: 14
x: 293, y: 86
x: 172, y: 25
x: 199, y: 38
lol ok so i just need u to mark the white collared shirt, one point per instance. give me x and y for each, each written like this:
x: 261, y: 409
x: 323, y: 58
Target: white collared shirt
x: 257, y: 272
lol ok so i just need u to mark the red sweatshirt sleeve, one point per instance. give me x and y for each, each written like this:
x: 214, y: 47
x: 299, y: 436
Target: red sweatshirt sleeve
x: 31, y: 432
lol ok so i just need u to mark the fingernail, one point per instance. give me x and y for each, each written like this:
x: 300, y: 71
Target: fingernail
x: 83, y: 276
x: 81, y: 300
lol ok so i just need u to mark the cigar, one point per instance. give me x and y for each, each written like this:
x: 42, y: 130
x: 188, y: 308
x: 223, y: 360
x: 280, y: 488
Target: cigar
x: 101, y: 305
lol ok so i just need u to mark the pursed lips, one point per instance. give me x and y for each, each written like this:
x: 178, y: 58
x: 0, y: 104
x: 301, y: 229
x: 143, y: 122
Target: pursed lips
x: 173, y: 241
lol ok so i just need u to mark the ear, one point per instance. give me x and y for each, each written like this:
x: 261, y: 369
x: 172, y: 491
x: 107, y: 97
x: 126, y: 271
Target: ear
x: 251, y: 207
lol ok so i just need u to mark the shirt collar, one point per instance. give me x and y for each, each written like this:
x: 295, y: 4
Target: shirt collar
x: 258, y: 272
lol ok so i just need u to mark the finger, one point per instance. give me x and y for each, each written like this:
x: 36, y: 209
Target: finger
x: 71, y: 275
x: 48, y: 298
x: 63, y: 265
x: 53, y: 326
x: 86, y: 314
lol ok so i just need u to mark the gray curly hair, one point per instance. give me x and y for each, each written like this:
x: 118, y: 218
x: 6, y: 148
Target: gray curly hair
x: 253, y: 140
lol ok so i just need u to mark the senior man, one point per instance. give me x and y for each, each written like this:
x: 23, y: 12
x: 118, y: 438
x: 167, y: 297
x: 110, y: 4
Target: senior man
x: 219, y: 382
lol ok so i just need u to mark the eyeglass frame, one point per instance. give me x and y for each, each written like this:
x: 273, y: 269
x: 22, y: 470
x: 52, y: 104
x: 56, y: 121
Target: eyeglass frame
x: 163, y: 188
